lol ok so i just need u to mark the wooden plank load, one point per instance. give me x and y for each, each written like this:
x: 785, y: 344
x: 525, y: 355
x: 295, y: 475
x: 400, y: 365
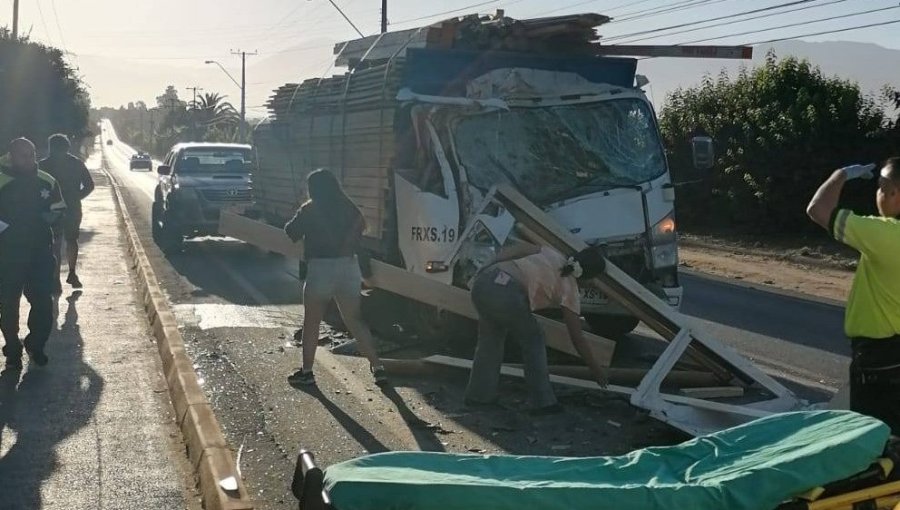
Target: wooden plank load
x: 349, y: 122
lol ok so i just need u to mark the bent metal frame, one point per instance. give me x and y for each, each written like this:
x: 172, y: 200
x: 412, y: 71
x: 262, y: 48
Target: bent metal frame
x: 695, y: 416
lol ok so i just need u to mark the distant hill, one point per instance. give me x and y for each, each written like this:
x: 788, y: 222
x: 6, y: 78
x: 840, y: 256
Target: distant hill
x: 114, y: 82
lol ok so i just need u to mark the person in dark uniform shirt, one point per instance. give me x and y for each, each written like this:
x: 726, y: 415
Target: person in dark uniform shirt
x: 30, y: 204
x: 76, y: 184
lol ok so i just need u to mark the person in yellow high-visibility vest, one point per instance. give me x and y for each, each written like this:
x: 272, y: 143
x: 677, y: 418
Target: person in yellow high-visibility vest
x: 872, y: 318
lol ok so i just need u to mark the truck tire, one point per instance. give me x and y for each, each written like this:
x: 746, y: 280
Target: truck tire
x: 165, y: 234
x: 156, y: 221
x: 611, y: 326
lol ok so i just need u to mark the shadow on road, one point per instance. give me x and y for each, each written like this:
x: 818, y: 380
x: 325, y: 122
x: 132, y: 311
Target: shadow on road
x: 590, y: 425
x: 354, y: 428
x: 422, y: 431
x: 49, y: 405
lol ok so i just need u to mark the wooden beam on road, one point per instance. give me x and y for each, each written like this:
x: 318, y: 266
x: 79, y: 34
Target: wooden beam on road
x: 409, y: 285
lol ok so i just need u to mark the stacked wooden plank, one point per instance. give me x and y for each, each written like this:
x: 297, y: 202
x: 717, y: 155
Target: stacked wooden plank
x: 347, y: 122
x: 344, y: 123
x: 570, y: 34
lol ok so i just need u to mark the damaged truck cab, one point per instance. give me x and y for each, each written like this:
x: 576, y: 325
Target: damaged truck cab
x: 574, y: 135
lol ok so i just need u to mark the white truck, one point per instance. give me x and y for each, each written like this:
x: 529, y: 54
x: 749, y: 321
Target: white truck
x: 451, y: 136
x: 427, y: 120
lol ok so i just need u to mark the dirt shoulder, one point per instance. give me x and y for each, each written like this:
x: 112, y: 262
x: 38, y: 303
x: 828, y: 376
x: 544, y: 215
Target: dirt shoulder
x: 823, y: 271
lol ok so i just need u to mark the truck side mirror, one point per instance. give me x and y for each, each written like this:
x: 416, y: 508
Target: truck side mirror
x: 703, y: 150
x: 163, y: 169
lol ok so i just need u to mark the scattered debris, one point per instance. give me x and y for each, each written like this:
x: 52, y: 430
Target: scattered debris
x: 437, y: 428
x: 229, y: 484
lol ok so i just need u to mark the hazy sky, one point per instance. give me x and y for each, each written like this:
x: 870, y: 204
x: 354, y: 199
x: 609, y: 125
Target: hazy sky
x: 176, y: 36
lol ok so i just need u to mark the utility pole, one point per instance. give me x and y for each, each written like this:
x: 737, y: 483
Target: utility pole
x: 194, y: 112
x: 15, y: 32
x: 243, y: 129
x: 195, y: 89
x: 383, y: 16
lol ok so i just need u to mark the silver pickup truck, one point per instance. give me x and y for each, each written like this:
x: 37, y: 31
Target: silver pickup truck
x: 196, y: 180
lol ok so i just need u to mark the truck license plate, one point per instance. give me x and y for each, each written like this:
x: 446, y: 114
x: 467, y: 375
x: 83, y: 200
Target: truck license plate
x: 593, y: 297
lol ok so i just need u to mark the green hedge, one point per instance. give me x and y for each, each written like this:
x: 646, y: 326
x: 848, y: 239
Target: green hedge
x: 780, y: 129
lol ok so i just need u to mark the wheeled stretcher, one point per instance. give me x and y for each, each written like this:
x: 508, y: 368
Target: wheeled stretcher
x: 817, y: 460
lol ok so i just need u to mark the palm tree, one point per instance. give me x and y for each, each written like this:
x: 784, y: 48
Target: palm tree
x: 215, y: 116
x: 212, y: 109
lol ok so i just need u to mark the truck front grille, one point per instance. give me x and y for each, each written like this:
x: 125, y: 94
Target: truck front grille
x: 226, y: 195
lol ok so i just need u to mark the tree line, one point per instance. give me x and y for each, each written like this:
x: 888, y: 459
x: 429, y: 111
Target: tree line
x: 780, y: 129
x: 41, y: 94
x: 155, y: 129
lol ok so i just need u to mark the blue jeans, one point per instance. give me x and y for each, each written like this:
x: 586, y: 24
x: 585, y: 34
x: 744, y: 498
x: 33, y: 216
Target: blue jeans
x: 504, y: 310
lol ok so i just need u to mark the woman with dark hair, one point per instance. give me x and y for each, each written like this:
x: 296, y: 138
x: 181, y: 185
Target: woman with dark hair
x: 330, y: 226
x: 525, y: 278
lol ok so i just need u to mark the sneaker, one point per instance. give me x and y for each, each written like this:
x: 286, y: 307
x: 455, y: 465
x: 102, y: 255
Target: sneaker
x: 302, y: 378
x: 74, y: 281
x: 380, y: 375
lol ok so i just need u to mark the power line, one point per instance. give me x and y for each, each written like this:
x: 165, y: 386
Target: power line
x: 678, y: 6
x: 657, y: 8
x: 813, y: 34
x: 579, y: 4
x: 729, y: 16
x: 62, y: 39
x: 453, y: 11
x: 44, y: 22
x: 657, y: 30
x: 827, y: 32
x: 346, y: 18
x: 791, y: 25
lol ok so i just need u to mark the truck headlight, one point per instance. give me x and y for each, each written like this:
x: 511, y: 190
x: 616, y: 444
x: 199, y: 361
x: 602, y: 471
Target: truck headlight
x: 664, y: 231
x: 663, y: 239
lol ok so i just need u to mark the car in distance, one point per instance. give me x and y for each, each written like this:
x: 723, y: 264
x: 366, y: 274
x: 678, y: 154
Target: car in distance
x: 140, y: 161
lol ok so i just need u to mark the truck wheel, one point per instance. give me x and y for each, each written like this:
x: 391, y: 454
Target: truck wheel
x: 156, y: 221
x: 165, y: 232
x: 611, y: 326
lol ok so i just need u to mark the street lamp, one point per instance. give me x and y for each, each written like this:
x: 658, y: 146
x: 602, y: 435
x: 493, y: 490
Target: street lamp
x: 241, y: 86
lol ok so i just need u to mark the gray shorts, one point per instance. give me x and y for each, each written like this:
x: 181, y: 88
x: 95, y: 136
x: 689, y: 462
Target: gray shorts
x: 328, y: 279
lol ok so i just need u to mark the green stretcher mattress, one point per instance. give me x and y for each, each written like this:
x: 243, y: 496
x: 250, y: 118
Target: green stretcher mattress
x: 755, y: 466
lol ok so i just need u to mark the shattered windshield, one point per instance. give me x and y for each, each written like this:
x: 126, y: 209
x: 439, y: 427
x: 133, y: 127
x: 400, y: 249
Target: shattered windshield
x: 552, y: 153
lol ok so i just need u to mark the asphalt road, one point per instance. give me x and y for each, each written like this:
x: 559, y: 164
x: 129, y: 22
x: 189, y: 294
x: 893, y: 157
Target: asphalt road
x: 238, y: 308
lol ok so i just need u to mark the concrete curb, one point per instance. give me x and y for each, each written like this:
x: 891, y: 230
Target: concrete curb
x: 206, y: 445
